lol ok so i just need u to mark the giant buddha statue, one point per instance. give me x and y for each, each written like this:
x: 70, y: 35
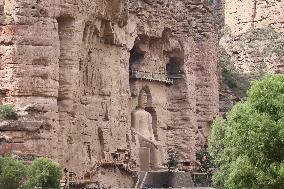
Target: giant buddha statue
x: 150, y: 151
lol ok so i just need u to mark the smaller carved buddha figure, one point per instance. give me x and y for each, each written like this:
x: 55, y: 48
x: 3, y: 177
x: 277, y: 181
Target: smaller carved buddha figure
x: 150, y: 151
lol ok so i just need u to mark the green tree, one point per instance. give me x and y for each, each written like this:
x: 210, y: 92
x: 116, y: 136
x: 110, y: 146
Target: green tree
x: 206, y: 165
x: 45, y: 174
x: 248, y: 147
x: 12, y: 173
x: 205, y: 160
x: 172, y: 160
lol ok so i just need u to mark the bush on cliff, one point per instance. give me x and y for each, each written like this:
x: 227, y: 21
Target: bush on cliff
x: 248, y: 147
x: 45, y: 174
x: 231, y: 77
x: 12, y: 173
x: 259, y: 34
x: 7, y: 112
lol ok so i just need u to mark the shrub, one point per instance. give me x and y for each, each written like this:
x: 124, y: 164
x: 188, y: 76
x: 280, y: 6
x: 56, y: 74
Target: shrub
x: 12, y: 173
x: 172, y: 160
x: 206, y: 165
x: 2, y: 19
x: 7, y: 112
x: 231, y: 77
x: 209, y: 2
x: 205, y: 161
x: 276, y: 47
x: 45, y: 174
x: 226, y: 31
x: 259, y: 34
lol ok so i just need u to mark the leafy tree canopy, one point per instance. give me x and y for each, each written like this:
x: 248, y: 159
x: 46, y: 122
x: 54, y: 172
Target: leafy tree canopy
x: 45, y: 174
x: 12, y: 173
x: 248, y: 147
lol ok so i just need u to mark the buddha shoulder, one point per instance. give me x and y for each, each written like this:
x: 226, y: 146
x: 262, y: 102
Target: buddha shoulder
x: 140, y: 112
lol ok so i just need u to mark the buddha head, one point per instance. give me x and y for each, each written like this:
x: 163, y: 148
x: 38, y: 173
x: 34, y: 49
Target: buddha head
x: 142, y: 100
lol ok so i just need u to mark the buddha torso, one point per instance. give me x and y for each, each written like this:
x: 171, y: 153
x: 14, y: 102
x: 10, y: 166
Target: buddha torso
x: 142, y: 123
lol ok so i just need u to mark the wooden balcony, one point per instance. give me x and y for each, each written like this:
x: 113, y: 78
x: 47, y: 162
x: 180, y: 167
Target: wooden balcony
x: 149, y: 76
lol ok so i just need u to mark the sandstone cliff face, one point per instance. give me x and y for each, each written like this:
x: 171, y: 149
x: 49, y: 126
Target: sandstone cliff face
x: 65, y: 65
x: 251, y: 45
x: 243, y: 15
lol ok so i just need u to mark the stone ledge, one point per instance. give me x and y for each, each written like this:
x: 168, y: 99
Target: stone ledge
x: 20, y: 125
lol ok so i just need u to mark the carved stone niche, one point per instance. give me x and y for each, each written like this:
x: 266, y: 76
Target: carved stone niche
x: 1, y: 9
x: 2, y: 4
x: 3, y: 94
x: 114, y: 8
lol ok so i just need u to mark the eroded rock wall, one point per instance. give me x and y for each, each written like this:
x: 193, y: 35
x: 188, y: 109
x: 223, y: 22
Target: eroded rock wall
x: 65, y: 66
x: 244, y: 15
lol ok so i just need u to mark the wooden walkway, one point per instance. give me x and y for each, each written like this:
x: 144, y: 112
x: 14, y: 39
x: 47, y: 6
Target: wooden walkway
x: 155, y: 77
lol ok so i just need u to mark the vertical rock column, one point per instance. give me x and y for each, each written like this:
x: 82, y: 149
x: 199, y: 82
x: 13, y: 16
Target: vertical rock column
x: 67, y: 85
x: 181, y: 128
x: 66, y: 66
x: 207, y: 97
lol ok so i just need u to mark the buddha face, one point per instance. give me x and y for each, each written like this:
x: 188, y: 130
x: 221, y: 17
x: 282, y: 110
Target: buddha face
x: 143, y: 98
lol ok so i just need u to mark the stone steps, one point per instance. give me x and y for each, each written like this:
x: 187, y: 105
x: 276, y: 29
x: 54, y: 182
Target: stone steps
x: 164, y: 180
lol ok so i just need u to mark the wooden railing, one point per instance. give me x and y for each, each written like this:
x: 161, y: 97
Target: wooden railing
x: 158, y: 77
x: 175, y: 76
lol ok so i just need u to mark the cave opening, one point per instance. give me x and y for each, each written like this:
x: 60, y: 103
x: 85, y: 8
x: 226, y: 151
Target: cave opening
x: 136, y: 56
x: 135, y: 59
x: 173, y: 69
